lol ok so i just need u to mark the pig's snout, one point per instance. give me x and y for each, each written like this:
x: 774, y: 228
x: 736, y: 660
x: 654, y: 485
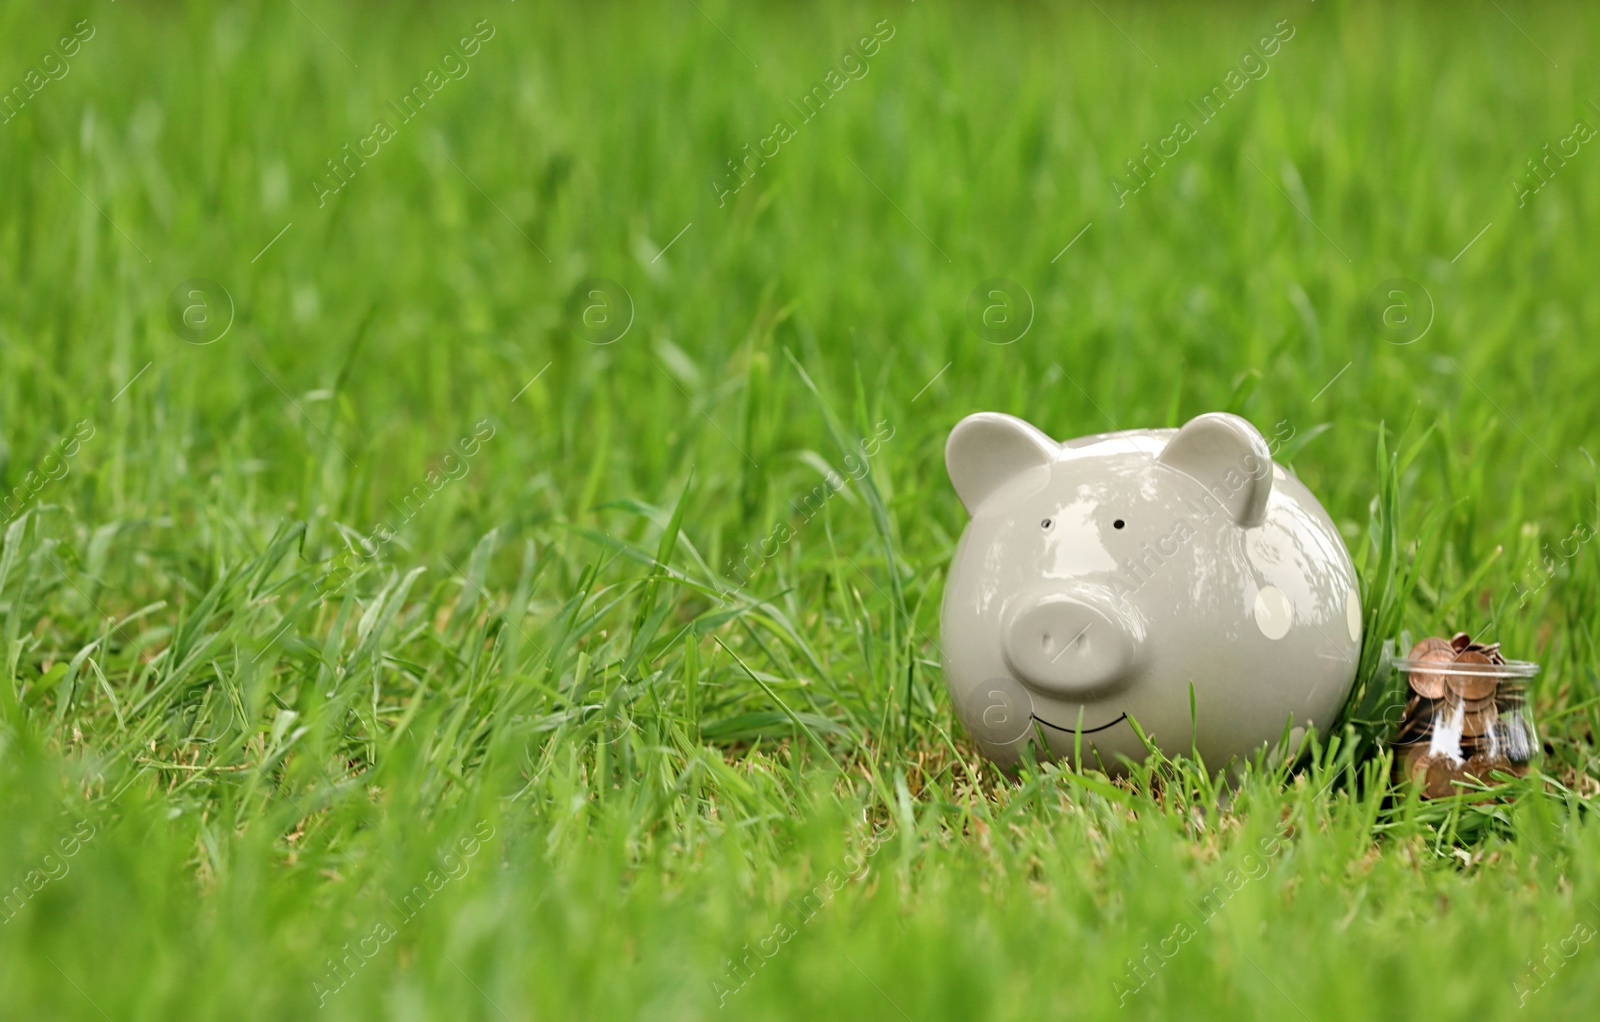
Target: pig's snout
x: 1062, y: 645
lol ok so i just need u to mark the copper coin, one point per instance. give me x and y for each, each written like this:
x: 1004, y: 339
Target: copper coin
x: 1476, y: 723
x: 1430, y: 684
x: 1496, y: 763
x: 1416, y: 764
x: 1441, y: 775
x: 1432, y: 642
x: 1473, y: 686
x: 1460, y: 641
x: 1510, y: 696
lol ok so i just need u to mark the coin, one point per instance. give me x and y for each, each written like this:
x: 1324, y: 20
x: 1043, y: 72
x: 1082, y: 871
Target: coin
x: 1460, y: 641
x: 1416, y: 764
x: 1476, y: 723
x: 1430, y: 683
x: 1442, y: 773
x: 1494, y: 762
x: 1472, y: 685
x: 1492, y: 652
x: 1510, y: 697
x: 1432, y: 642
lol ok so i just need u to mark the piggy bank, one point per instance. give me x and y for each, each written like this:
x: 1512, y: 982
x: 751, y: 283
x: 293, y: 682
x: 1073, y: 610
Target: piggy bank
x: 1174, y: 577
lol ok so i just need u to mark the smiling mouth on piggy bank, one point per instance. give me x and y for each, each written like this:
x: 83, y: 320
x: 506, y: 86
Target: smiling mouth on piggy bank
x: 1074, y: 731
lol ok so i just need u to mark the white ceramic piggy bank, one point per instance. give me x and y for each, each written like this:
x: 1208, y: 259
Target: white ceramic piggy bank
x: 1100, y: 579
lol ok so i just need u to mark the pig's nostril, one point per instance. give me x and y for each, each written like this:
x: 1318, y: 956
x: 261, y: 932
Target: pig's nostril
x: 1069, y: 645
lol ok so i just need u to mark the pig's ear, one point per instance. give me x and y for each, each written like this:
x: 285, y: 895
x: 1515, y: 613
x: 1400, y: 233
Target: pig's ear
x: 987, y: 449
x: 1229, y: 457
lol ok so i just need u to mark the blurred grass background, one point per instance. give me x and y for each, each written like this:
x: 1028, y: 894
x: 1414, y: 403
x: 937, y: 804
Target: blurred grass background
x: 269, y: 761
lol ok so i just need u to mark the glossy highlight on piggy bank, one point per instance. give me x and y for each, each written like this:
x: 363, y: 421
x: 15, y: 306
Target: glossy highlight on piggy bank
x: 1102, y: 580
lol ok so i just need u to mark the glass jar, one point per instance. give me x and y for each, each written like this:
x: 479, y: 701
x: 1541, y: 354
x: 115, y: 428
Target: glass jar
x: 1466, y: 716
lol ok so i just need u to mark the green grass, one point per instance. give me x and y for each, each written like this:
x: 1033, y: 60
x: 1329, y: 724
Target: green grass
x: 230, y: 749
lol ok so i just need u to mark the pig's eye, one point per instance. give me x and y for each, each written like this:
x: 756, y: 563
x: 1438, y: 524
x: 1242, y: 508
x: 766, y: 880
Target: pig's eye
x: 1045, y: 525
x: 1119, y: 523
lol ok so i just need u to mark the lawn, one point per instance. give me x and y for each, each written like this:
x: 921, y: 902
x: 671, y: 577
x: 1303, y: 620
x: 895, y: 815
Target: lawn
x: 475, y: 510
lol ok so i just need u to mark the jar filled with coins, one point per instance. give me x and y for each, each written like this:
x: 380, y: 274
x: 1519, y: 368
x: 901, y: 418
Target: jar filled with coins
x: 1466, y: 715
